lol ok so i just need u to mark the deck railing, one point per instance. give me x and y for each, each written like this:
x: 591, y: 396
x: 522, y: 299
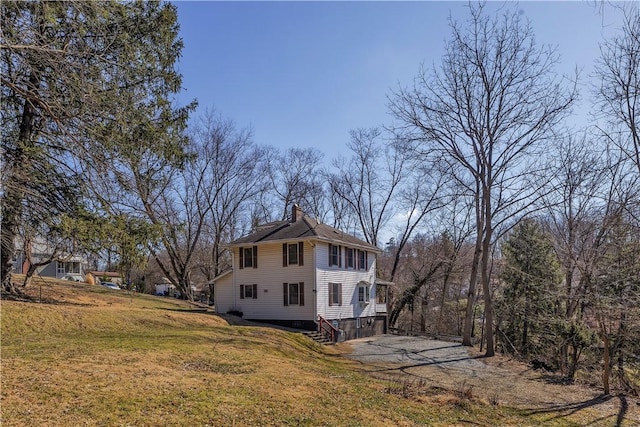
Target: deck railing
x: 327, y: 328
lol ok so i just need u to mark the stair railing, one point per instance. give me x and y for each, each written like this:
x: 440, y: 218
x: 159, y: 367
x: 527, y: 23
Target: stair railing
x: 326, y: 327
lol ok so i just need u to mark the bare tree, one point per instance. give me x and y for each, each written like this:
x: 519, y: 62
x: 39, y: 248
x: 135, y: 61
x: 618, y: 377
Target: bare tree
x: 419, y: 196
x: 204, y: 198
x: 489, y: 109
x: 613, y: 270
x: 421, y: 271
x: 618, y: 89
x: 295, y: 177
x: 592, y: 215
x: 236, y: 179
x: 368, y: 182
x: 572, y: 206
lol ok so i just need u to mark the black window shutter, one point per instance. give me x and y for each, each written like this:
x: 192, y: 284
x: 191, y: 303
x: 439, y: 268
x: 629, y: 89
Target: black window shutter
x: 366, y: 260
x: 340, y: 294
x: 331, y: 285
x: 301, y: 292
x: 330, y: 252
x: 284, y: 255
x: 255, y: 291
x: 241, y: 291
x: 241, y: 258
x: 255, y: 257
x: 339, y: 256
x: 285, y: 292
x: 300, y: 253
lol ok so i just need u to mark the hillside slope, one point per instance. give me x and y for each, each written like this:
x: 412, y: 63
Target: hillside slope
x: 76, y: 354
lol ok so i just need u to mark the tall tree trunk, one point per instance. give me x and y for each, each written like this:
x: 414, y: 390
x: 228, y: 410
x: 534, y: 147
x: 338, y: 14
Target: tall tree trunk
x: 620, y: 348
x: 525, y: 326
x: 486, y: 288
x: 445, y: 286
x: 471, y: 295
x: 15, y: 172
x: 606, y: 370
x: 423, y: 312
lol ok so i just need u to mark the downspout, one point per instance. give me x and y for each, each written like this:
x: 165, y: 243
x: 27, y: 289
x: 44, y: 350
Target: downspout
x: 233, y: 278
x: 314, y: 291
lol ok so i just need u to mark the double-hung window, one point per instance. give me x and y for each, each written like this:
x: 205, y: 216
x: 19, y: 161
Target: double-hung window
x: 293, y: 293
x: 363, y: 294
x: 349, y: 262
x: 335, y: 294
x: 249, y: 291
x: 249, y: 257
x: 292, y: 254
x: 362, y: 260
x: 335, y: 255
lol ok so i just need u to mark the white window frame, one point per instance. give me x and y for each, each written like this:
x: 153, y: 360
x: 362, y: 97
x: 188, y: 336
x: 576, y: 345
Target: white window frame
x: 297, y: 254
x: 333, y: 293
x: 364, y: 294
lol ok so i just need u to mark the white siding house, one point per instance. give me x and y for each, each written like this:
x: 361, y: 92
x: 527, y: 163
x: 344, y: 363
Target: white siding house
x: 300, y: 273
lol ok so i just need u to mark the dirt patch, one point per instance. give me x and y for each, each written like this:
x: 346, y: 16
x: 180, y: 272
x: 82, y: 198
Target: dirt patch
x: 453, y: 367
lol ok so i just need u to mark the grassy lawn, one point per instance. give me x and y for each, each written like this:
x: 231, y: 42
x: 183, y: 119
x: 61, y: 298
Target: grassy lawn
x: 91, y: 356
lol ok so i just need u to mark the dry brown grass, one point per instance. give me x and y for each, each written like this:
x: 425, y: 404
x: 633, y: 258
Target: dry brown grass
x: 96, y: 357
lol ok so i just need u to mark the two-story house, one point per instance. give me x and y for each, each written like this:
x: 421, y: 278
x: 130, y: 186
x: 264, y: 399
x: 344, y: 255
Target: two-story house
x: 51, y: 260
x: 298, y: 273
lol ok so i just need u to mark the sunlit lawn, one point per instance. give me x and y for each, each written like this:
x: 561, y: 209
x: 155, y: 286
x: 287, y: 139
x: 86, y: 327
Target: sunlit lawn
x: 93, y: 356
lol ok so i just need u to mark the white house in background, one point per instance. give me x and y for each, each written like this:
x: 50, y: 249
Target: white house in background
x: 304, y: 274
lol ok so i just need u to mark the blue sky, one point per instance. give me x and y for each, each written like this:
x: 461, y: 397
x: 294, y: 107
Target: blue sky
x: 302, y: 74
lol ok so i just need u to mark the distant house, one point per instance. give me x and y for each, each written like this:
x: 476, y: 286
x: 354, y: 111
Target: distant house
x: 304, y: 274
x: 57, y: 265
x: 165, y: 287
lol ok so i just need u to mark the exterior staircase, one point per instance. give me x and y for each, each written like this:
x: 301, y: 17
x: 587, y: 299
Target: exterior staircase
x: 318, y: 337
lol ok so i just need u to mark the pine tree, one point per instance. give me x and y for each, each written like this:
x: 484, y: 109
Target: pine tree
x: 528, y: 303
x: 83, y: 84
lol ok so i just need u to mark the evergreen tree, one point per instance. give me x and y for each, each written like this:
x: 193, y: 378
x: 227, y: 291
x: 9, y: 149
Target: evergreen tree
x: 528, y: 303
x: 83, y: 84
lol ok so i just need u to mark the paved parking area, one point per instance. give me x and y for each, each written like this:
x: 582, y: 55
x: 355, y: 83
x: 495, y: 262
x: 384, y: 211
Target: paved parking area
x: 414, y: 352
x: 451, y: 366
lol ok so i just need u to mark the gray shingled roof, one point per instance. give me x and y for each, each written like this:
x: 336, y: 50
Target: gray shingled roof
x: 305, y: 228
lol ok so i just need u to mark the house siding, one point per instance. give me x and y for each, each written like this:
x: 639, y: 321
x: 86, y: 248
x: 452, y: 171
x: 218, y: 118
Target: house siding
x: 349, y: 278
x: 269, y: 276
x: 223, y: 296
x: 355, y: 319
x: 50, y: 269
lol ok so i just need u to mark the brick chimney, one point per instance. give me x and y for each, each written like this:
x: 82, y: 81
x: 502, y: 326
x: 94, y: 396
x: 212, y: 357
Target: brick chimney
x: 296, y: 213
